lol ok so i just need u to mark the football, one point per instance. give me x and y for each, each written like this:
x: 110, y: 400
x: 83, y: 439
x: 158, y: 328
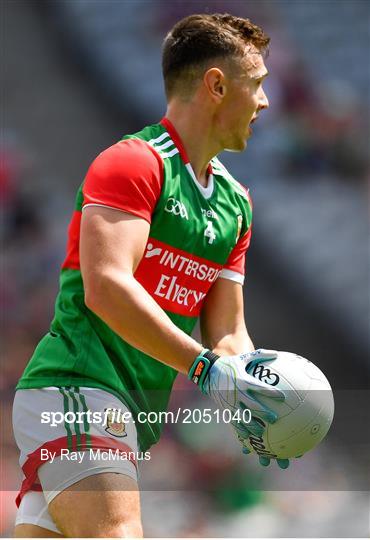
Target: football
x: 306, y: 414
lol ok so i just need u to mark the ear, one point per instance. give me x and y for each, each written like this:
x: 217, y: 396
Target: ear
x: 215, y: 83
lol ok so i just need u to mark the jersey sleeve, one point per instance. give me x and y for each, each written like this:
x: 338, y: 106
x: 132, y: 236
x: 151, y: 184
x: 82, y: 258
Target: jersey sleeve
x: 128, y: 176
x: 234, y: 269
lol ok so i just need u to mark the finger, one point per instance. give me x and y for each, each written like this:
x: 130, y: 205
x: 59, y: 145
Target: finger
x: 263, y: 412
x: 241, y: 429
x: 268, y: 416
x: 265, y: 415
x: 255, y: 428
x: 264, y: 461
x: 259, y: 409
x: 250, y: 385
x: 283, y: 463
x: 266, y: 391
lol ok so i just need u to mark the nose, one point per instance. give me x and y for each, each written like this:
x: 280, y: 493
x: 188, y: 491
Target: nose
x: 263, y: 101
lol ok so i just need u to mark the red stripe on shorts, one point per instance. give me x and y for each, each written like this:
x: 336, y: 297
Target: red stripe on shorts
x: 34, y: 460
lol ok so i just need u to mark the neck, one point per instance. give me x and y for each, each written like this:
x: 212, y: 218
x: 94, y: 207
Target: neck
x: 195, y: 128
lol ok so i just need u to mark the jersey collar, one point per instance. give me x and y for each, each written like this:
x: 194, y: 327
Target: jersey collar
x: 206, y: 191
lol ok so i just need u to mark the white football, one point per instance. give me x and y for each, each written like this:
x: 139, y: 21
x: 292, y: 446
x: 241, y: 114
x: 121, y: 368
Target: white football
x: 307, y: 412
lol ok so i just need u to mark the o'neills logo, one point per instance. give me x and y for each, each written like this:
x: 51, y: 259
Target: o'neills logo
x: 259, y: 447
x: 177, y: 280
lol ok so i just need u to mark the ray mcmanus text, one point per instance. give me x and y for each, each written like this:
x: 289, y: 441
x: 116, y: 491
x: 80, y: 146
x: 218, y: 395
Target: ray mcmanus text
x: 93, y: 455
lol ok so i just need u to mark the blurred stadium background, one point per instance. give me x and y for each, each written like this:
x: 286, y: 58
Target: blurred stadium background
x: 79, y: 74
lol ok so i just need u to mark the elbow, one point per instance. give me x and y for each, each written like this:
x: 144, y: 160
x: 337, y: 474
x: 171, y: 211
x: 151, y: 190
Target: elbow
x: 101, y: 290
x: 96, y: 291
x: 92, y: 298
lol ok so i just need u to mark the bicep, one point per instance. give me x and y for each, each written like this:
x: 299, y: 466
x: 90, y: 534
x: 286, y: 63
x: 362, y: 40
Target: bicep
x: 110, y: 241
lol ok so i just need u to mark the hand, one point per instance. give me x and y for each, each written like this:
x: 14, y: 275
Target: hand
x: 230, y: 385
x: 242, y: 434
x: 226, y: 380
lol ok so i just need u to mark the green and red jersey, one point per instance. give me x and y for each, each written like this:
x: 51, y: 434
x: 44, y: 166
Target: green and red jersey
x: 197, y: 235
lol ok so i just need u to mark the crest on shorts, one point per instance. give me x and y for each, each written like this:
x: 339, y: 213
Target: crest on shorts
x: 115, y: 425
x: 239, y: 229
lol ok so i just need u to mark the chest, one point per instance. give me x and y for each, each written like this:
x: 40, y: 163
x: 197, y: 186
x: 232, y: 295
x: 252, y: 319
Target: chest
x: 190, y: 239
x: 185, y: 218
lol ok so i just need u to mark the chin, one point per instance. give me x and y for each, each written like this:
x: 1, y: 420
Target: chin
x: 237, y: 147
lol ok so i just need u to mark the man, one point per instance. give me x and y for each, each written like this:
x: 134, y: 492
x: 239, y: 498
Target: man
x: 158, y: 238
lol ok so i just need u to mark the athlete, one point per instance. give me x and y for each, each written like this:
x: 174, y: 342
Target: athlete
x: 158, y: 239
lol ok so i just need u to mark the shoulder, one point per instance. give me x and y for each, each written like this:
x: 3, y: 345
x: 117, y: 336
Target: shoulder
x: 127, y: 176
x: 127, y: 156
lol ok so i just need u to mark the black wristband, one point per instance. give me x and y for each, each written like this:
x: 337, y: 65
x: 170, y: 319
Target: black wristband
x: 201, y: 366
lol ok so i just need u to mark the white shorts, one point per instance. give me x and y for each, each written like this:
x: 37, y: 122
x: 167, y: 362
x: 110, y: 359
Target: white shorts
x: 64, y: 435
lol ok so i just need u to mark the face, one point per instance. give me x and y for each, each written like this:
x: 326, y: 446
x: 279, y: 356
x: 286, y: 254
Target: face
x: 244, y: 99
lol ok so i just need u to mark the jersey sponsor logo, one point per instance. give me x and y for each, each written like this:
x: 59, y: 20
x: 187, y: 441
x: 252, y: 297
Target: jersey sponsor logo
x: 151, y: 251
x: 174, y: 260
x: 169, y: 289
x: 173, y: 206
x: 177, y: 280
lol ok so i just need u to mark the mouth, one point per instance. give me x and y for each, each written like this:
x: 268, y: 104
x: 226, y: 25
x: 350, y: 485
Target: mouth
x: 250, y: 131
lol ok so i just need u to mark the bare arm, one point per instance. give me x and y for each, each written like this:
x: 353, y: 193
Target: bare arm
x: 112, y: 244
x: 222, y: 320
